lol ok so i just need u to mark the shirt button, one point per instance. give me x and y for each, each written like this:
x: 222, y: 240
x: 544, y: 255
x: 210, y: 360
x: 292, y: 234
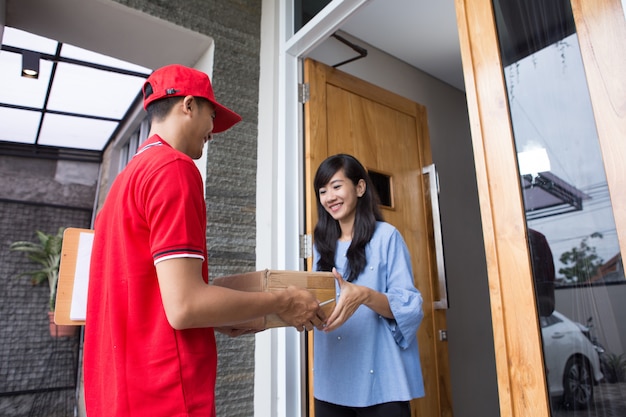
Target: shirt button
x: 338, y: 337
x: 371, y: 268
x: 371, y: 371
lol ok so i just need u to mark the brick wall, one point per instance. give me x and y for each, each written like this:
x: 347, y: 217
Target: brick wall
x: 37, y: 372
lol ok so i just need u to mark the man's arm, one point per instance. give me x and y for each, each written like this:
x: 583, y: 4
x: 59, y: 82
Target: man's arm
x: 189, y: 302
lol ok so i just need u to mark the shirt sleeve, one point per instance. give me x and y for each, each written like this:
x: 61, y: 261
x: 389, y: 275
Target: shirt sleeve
x: 175, y: 212
x: 405, y: 300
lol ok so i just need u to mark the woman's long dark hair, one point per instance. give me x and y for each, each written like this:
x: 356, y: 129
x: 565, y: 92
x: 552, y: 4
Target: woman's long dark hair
x: 327, y: 230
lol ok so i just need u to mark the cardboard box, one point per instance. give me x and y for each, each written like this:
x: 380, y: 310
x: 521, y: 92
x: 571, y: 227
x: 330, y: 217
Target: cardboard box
x: 321, y: 284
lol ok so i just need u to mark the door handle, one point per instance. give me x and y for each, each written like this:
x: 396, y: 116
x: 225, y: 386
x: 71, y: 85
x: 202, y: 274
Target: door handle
x: 433, y: 185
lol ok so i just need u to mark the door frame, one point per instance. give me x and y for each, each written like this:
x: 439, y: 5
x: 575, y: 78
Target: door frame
x: 280, y: 378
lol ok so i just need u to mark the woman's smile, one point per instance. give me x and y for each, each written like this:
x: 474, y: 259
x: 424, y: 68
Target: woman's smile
x: 335, y: 207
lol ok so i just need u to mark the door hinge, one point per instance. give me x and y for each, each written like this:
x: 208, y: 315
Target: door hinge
x: 306, y: 246
x: 303, y: 92
x: 443, y: 335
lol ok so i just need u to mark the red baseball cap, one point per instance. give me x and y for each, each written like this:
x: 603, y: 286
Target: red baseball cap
x: 179, y: 80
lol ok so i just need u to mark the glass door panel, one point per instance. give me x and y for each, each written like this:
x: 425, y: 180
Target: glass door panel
x: 305, y: 10
x: 577, y: 265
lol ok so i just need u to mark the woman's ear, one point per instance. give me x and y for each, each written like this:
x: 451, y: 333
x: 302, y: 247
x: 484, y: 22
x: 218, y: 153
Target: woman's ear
x: 361, y: 187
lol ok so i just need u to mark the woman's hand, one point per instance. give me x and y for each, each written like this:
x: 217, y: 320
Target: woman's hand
x: 350, y: 298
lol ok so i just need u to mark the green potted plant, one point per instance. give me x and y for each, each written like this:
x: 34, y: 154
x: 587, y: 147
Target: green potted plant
x: 46, y: 253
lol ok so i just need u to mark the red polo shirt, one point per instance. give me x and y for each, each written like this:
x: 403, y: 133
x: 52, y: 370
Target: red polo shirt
x: 135, y: 363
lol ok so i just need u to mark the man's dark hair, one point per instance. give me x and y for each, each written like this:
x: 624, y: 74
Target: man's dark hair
x: 159, y: 109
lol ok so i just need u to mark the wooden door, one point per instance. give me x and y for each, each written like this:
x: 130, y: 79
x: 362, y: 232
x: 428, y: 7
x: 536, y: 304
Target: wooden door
x: 389, y: 135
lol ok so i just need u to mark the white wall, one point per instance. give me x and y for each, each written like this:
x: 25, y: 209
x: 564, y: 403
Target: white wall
x: 469, y: 317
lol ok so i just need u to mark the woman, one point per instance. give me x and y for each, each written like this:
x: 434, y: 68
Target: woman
x: 366, y: 360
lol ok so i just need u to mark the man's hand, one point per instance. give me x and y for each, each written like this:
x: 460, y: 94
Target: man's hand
x: 299, y: 308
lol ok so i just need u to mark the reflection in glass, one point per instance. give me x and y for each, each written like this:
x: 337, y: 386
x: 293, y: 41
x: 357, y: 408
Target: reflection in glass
x: 566, y: 347
x: 577, y: 264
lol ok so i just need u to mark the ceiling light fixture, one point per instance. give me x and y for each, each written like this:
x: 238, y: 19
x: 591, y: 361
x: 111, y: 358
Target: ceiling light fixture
x: 30, y: 64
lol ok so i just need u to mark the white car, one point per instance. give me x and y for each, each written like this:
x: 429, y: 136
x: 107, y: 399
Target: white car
x: 572, y: 361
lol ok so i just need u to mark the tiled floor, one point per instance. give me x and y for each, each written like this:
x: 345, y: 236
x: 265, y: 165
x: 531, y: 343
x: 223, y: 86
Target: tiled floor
x: 609, y: 401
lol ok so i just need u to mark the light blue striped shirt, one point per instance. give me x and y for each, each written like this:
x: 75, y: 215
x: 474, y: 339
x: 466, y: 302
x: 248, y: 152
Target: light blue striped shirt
x: 370, y: 359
